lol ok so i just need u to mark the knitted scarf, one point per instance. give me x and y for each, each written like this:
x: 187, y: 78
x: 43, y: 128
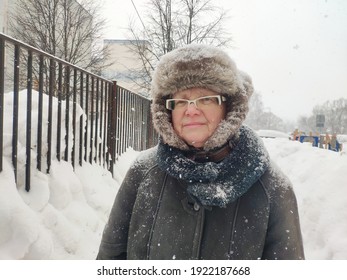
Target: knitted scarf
x: 218, y: 184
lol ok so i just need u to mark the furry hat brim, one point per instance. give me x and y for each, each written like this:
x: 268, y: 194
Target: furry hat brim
x: 200, y: 66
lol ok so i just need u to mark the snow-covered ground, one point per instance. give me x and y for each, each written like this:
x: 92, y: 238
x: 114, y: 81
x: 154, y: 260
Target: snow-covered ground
x: 63, y: 215
x: 320, y: 182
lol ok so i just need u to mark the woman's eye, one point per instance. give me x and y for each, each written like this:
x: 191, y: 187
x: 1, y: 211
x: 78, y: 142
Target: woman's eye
x: 207, y: 100
x: 181, y: 102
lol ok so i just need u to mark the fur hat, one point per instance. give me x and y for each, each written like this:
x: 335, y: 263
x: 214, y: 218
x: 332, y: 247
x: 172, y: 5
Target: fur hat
x: 201, y: 66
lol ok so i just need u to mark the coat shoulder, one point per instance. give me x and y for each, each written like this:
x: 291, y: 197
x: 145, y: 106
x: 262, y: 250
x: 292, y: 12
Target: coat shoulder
x: 146, y: 160
x: 275, y: 182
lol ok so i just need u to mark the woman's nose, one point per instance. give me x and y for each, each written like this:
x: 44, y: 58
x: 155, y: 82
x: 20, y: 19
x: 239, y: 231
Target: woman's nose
x: 192, y: 109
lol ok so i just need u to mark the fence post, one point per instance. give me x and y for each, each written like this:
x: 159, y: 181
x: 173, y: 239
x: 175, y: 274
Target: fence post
x: 80, y: 159
x: 152, y: 140
x: 39, y: 114
x: 107, y: 87
x: 59, y: 117
x: 15, y: 110
x: 112, y: 125
x: 74, y: 105
x: 50, y: 112
x: 67, y: 92
x: 28, y: 125
x: 91, y: 150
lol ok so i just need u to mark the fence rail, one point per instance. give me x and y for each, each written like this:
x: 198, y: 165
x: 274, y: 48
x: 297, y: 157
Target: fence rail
x: 59, y: 110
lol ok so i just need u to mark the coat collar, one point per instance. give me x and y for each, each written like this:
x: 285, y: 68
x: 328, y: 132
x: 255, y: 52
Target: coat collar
x: 216, y: 155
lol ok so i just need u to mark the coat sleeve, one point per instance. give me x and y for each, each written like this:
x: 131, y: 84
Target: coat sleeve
x: 114, y: 239
x: 283, y: 238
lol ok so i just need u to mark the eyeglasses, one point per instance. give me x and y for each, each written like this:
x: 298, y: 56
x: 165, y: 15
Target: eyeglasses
x: 200, y: 103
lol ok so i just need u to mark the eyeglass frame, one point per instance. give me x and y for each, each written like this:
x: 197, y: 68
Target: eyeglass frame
x: 220, y: 98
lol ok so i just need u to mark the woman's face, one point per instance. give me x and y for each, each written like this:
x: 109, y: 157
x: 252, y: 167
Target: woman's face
x: 196, y: 124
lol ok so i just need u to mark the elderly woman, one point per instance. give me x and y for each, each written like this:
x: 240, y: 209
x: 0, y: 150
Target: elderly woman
x: 208, y: 190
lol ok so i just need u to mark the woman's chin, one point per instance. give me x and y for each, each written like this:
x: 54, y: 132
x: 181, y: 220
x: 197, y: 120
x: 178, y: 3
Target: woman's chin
x: 196, y: 143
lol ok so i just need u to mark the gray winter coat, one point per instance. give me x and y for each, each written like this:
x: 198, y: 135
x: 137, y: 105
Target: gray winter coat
x: 155, y: 217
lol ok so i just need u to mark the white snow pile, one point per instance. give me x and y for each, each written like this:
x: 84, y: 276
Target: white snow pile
x: 272, y: 134
x: 63, y: 215
x: 320, y: 181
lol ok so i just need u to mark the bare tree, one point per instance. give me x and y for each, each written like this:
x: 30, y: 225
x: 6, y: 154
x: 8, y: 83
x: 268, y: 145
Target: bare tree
x: 258, y: 118
x: 335, y: 113
x: 307, y: 124
x: 169, y: 24
x: 256, y: 109
x: 67, y: 29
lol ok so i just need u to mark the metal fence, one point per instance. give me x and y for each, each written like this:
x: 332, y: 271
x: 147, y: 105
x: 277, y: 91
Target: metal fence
x: 59, y: 110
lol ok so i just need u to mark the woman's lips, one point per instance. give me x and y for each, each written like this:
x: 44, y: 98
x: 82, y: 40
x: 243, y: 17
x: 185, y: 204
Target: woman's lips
x: 193, y: 124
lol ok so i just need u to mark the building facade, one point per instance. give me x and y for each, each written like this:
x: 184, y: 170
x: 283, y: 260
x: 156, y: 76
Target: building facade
x: 4, y: 11
x: 126, y: 66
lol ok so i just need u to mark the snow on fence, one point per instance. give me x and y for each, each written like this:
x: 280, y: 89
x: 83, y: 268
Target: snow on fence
x: 50, y: 108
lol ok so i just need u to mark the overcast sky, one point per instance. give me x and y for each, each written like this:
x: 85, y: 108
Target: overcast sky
x: 295, y: 50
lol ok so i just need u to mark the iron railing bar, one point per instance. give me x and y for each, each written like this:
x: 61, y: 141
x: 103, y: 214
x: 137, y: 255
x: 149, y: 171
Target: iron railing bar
x: 50, y: 112
x: 127, y: 120
x: 86, y: 109
x: 15, y: 110
x: 144, y: 124
x: 120, y: 134
x: 67, y: 111
x: 136, y: 122
x: 28, y: 120
x: 96, y: 120
x: 148, y: 126
x: 138, y: 126
x: 59, y: 113
x: 132, y: 121
x: 117, y: 122
x: 131, y: 118
x: 74, y: 118
x: 39, y: 114
x: 101, y: 117
x: 107, y: 85
x: 112, y: 118
x: 124, y: 122
x: 91, y: 123
x: 108, y: 138
x: 143, y: 130
x: 81, y: 121
x: 144, y: 127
